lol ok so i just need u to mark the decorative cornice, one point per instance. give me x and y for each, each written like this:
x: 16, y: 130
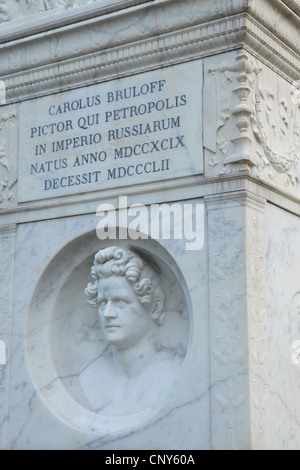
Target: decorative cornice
x: 8, y: 230
x: 168, y: 49
x: 279, y: 19
x: 45, y: 15
x: 28, y: 18
x: 239, y: 197
x: 293, y: 5
x: 228, y: 186
x: 188, y: 44
x: 268, y: 48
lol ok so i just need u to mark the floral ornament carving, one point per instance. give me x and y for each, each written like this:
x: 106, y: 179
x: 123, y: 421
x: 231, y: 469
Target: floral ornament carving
x: 241, y: 73
x: 258, y: 344
x: 276, y: 123
x: 7, y: 179
x: 4, y: 11
x: 258, y: 128
x: 227, y: 348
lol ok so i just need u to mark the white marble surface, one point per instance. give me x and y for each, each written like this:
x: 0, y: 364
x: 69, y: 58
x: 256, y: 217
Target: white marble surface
x: 132, y: 130
x: 282, y: 409
x: 7, y: 243
x: 136, y: 369
x: 233, y: 305
x: 268, y: 146
x: 230, y: 424
x: 47, y: 408
x: 214, y: 402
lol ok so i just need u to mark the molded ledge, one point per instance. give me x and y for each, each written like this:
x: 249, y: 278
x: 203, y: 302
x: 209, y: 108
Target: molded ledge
x: 59, y: 73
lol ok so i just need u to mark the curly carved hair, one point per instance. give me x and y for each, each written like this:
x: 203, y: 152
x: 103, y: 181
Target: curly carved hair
x: 120, y: 261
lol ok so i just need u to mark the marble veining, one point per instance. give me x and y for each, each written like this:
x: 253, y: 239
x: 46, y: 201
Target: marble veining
x: 143, y: 343
x: 52, y: 372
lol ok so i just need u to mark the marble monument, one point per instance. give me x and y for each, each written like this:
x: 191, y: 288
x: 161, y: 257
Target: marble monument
x: 149, y: 224
x: 130, y: 301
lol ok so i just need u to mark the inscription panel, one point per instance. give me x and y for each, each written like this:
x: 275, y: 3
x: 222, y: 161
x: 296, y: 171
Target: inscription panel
x: 128, y: 131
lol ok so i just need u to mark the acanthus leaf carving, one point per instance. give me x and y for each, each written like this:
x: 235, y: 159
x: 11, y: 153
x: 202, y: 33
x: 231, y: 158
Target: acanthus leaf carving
x: 55, y: 47
x: 230, y: 398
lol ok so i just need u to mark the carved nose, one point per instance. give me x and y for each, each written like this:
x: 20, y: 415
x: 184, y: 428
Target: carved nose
x: 110, y: 310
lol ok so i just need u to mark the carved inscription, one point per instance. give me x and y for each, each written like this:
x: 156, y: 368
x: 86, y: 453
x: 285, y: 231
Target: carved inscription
x: 124, y: 132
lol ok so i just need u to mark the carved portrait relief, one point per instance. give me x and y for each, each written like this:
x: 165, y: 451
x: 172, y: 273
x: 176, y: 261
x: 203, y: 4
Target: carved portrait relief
x: 136, y: 369
x: 109, y: 348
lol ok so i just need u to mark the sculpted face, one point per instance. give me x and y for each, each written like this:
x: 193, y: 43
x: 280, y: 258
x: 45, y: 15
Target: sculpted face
x: 124, y: 320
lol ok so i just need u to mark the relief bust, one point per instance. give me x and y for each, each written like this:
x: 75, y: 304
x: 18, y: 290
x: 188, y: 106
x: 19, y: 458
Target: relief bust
x: 135, y: 370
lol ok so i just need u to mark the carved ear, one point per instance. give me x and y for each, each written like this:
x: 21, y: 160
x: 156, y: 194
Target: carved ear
x: 158, y: 313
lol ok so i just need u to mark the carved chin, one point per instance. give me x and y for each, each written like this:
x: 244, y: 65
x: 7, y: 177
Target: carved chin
x: 112, y: 330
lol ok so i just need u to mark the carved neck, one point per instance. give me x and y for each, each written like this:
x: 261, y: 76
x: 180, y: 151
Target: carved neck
x: 132, y: 361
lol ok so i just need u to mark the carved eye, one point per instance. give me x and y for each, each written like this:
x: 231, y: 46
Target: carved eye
x: 102, y: 303
x: 121, y: 302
